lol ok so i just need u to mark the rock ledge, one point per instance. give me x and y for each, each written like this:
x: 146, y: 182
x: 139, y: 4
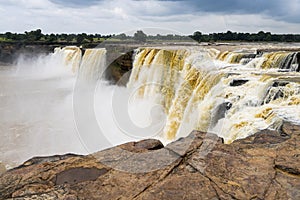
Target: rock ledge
x: 200, y: 166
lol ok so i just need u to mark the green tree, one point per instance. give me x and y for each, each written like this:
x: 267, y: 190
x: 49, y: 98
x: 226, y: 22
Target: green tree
x: 8, y: 35
x: 63, y: 37
x: 261, y: 36
x: 52, y: 38
x: 82, y: 38
x: 34, y: 35
x: 140, y: 36
x: 197, y: 36
x: 121, y: 36
x: 70, y: 38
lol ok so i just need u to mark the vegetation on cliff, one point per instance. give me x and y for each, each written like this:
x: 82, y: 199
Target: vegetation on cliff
x: 36, y: 36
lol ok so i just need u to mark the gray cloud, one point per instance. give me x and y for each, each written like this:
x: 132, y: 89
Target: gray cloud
x: 236, y: 6
x: 277, y: 9
x: 76, y: 3
x: 113, y: 16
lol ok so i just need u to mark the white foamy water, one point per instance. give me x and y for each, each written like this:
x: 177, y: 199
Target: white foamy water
x: 36, y: 110
x: 57, y: 103
x: 37, y: 107
x: 219, y: 92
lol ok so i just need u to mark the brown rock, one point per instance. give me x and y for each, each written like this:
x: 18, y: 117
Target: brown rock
x: 142, y: 146
x: 200, y: 166
x: 78, y: 175
x: 2, y: 168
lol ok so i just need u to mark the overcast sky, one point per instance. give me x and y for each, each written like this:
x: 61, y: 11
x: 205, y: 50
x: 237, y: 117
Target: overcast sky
x: 117, y: 16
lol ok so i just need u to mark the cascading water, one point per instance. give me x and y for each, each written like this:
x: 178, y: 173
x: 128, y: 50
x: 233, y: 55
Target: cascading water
x: 236, y: 57
x: 284, y: 60
x: 232, y: 94
x: 234, y: 101
x: 71, y: 56
x: 61, y: 62
x: 92, y: 64
x: 36, y: 103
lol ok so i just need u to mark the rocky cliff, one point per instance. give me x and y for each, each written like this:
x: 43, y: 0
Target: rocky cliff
x: 200, y: 166
x: 9, y: 52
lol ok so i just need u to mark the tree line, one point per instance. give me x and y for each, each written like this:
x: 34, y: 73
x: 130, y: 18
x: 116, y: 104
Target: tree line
x: 37, y: 36
x: 245, y: 37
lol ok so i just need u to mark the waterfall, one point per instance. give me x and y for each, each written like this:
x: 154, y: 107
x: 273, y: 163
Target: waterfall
x: 236, y: 57
x: 234, y: 98
x: 178, y: 79
x: 62, y: 61
x: 37, y: 103
x: 233, y: 94
x: 71, y: 56
x: 92, y: 64
x: 283, y: 60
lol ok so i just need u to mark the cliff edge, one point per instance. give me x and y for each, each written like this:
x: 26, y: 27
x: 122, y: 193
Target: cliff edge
x: 200, y: 166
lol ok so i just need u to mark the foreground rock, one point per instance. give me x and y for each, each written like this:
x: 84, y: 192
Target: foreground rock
x: 2, y: 168
x: 200, y: 166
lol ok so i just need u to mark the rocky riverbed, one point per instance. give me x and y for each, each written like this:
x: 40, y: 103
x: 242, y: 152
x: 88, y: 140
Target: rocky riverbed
x: 200, y: 166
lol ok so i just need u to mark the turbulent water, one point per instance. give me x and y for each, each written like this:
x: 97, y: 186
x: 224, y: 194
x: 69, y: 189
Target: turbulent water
x: 171, y: 91
x: 233, y: 94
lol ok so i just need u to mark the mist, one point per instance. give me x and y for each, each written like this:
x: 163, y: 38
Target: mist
x: 37, y: 110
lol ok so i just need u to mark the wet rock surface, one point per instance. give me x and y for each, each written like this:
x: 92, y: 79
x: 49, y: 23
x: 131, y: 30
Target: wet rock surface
x: 2, y: 168
x: 235, y: 83
x: 9, y: 52
x: 77, y: 175
x: 200, y: 166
